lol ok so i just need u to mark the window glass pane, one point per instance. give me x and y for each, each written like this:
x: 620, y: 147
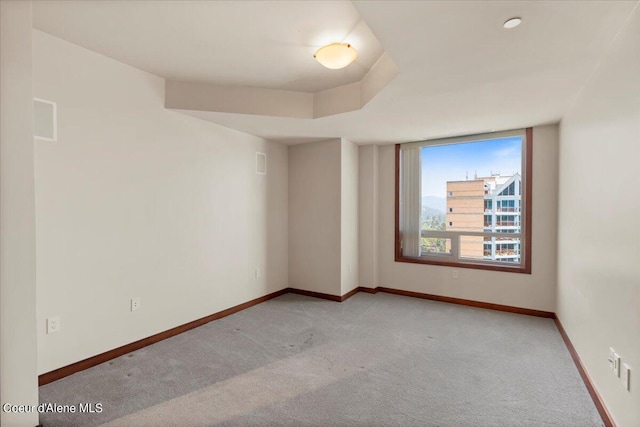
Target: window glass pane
x: 494, y: 249
x: 471, y: 247
x: 473, y: 187
x: 435, y: 245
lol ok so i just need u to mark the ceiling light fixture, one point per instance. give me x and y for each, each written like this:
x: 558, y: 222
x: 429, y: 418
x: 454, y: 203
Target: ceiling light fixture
x: 336, y: 55
x: 512, y: 23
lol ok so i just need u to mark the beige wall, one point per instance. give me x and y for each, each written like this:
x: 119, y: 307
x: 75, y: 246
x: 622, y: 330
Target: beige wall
x: 599, y: 223
x: 238, y: 99
x: 349, y: 217
x: 18, y: 345
x: 368, y: 215
x: 535, y: 291
x: 323, y: 216
x: 138, y: 201
x: 315, y: 216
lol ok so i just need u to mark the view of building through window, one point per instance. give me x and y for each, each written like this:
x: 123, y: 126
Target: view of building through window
x: 473, y: 187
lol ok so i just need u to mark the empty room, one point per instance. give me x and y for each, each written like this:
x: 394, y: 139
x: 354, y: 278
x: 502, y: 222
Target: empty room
x: 319, y: 213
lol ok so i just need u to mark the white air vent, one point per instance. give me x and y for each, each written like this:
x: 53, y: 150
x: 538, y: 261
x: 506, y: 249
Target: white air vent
x: 44, y: 120
x: 261, y: 163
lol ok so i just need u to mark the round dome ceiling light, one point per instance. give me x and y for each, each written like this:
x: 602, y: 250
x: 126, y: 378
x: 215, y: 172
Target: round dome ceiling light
x: 512, y: 23
x: 336, y: 55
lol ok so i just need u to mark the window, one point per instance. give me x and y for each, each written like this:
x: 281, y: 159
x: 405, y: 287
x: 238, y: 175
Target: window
x: 446, y: 217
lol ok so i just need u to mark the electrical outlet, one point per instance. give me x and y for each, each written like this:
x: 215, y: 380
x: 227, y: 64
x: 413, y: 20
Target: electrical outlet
x: 454, y: 274
x: 135, y: 303
x: 53, y: 325
x: 626, y: 376
x: 350, y: 268
x: 258, y: 273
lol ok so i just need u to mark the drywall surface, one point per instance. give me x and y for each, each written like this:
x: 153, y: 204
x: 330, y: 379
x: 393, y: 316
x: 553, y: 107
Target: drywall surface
x: 535, y: 291
x: 599, y: 223
x: 18, y: 344
x: 138, y: 201
x: 368, y: 215
x: 315, y: 216
x: 349, y: 217
x: 238, y: 99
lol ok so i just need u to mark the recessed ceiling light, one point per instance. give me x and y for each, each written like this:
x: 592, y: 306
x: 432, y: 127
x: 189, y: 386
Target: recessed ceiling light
x: 336, y: 55
x: 512, y: 23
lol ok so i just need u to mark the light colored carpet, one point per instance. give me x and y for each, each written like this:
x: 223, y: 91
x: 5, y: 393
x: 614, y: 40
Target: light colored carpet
x: 373, y: 360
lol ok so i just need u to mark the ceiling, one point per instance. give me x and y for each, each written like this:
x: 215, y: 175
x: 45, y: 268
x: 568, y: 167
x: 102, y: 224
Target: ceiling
x: 251, y: 43
x: 460, y: 71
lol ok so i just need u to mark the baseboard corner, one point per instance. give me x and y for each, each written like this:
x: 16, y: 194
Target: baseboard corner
x: 607, y: 419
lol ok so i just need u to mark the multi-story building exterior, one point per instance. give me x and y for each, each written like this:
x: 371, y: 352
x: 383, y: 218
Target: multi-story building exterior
x: 465, y: 212
x: 489, y: 204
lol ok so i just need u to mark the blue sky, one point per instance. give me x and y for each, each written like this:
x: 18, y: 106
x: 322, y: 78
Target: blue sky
x: 444, y: 163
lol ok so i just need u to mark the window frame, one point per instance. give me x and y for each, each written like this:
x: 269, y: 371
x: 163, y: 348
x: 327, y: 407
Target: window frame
x: 524, y: 267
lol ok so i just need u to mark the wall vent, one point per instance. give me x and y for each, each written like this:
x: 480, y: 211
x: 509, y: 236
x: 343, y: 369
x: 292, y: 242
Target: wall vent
x: 261, y: 163
x: 45, y: 127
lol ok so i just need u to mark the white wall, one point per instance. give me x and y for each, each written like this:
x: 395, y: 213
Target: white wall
x: 315, y: 216
x: 535, y: 291
x: 349, y: 217
x: 18, y: 363
x: 138, y: 201
x: 599, y: 223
